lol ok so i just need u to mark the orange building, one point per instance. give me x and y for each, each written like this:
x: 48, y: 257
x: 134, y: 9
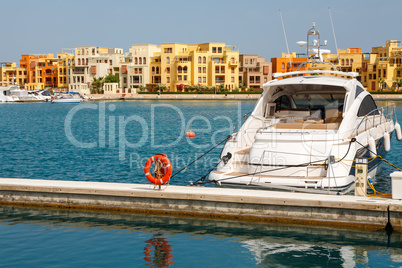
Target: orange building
x: 44, y: 70
x: 282, y: 65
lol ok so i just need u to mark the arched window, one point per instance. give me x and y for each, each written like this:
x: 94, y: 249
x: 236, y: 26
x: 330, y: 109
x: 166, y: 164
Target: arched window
x: 144, y: 60
x: 79, y: 61
x: 351, y: 61
x: 136, y: 60
x: 343, y: 62
x: 204, y: 60
x: 168, y: 60
x: 185, y: 69
x: 157, y: 70
x: 283, y: 65
x: 140, y: 61
x: 199, y: 59
x: 153, y: 70
x: 347, y: 61
x: 86, y: 61
x: 180, y: 69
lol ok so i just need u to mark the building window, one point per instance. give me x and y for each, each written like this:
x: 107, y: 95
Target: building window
x: 398, y: 73
x: 185, y: 69
x: 135, y: 60
x: 204, y: 70
x: 168, y: 79
x: 144, y: 60
x: 342, y: 62
x: 232, y: 69
x: 110, y: 62
x: 168, y: 60
x: 385, y: 73
x: 204, y: 60
x: 223, y: 69
x: 217, y: 69
x: 168, y: 70
x: 199, y: 59
x: 199, y: 69
x: 185, y: 78
x: 219, y: 50
x: 213, y: 49
x: 179, y: 78
x: 232, y: 79
x: 168, y: 50
x: 157, y: 70
x: 204, y: 79
x: 179, y: 69
x: 79, y: 61
x: 140, y: 70
x: 347, y: 62
x: 199, y: 79
x: 283, y: 66
x: 140, y: 61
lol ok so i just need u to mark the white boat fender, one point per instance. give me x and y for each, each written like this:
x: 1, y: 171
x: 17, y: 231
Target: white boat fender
x: 398, y: 131
x: 387, y: 142
x: 372, y: 147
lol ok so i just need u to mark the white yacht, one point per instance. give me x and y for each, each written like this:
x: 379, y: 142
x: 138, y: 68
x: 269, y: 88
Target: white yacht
x: 305, y: 132
x: 5, y: 94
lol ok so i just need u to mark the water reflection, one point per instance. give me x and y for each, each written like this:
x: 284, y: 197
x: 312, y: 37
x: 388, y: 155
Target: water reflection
x: 227, y: 243
x: 158, y: 252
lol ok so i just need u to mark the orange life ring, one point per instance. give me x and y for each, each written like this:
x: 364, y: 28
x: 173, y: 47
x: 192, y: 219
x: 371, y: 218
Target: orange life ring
x: 162, y: 175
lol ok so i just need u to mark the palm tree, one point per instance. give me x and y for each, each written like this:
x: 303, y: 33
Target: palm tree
x: 98, y: 84
x: 381, y: 83
x: 398, y: 83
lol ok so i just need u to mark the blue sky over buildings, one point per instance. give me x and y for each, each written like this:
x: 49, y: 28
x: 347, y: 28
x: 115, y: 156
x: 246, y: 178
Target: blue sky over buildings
x: 45, y: 26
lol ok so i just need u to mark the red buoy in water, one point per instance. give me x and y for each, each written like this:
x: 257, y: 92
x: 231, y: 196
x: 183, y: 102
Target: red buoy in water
x: 190, y: 134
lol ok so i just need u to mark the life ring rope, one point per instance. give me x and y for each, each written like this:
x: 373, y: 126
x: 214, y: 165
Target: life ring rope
x: 162, y: 169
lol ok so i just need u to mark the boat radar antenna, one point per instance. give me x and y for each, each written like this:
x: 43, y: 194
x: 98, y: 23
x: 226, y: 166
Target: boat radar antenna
x: 314, y: 45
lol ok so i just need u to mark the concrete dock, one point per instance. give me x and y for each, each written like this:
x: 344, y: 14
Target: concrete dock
x: 238, y: 204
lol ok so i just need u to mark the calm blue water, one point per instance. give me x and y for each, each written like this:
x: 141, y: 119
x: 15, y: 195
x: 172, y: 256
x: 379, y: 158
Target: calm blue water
x: 110, y: 142
x: 56, y: 238
x: 35, y: 142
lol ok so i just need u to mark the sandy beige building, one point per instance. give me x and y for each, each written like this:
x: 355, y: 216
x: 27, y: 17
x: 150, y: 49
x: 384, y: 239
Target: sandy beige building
x: 254, y: 71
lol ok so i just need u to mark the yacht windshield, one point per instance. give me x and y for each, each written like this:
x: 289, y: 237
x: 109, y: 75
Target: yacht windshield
x: 318, y: 101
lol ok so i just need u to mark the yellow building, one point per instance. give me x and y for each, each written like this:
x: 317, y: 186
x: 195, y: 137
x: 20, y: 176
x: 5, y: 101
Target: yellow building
x: 347, y: 60
x: 10, y: 74
x: 208, y: 64
x: 382, y: 67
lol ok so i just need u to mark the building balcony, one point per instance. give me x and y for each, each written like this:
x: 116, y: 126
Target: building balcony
x: 234, y: 63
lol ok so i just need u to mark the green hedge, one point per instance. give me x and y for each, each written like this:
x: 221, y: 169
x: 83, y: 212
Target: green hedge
x: 385, y: 92
x: 200, y: 93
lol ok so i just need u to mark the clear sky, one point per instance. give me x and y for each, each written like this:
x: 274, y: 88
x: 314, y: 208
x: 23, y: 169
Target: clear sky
x: 48, y: 26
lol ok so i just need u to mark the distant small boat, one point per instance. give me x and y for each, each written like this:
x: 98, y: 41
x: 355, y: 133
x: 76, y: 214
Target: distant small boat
x: 70, y: 97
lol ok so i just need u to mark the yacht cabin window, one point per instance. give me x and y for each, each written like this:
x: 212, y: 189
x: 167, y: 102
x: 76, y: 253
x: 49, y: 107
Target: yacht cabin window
x: 367, y: 107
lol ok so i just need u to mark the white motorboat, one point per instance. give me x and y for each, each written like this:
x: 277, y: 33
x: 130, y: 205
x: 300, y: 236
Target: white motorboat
x: 69, y: 97
x: 5, y: 94
x: 306, y: 131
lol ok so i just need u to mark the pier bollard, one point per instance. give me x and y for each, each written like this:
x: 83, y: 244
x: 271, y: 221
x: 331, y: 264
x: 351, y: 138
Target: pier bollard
x: 396, y: 182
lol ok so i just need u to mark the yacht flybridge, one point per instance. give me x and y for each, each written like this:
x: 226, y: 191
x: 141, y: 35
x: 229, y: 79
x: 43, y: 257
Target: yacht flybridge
x: 306, y: 131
